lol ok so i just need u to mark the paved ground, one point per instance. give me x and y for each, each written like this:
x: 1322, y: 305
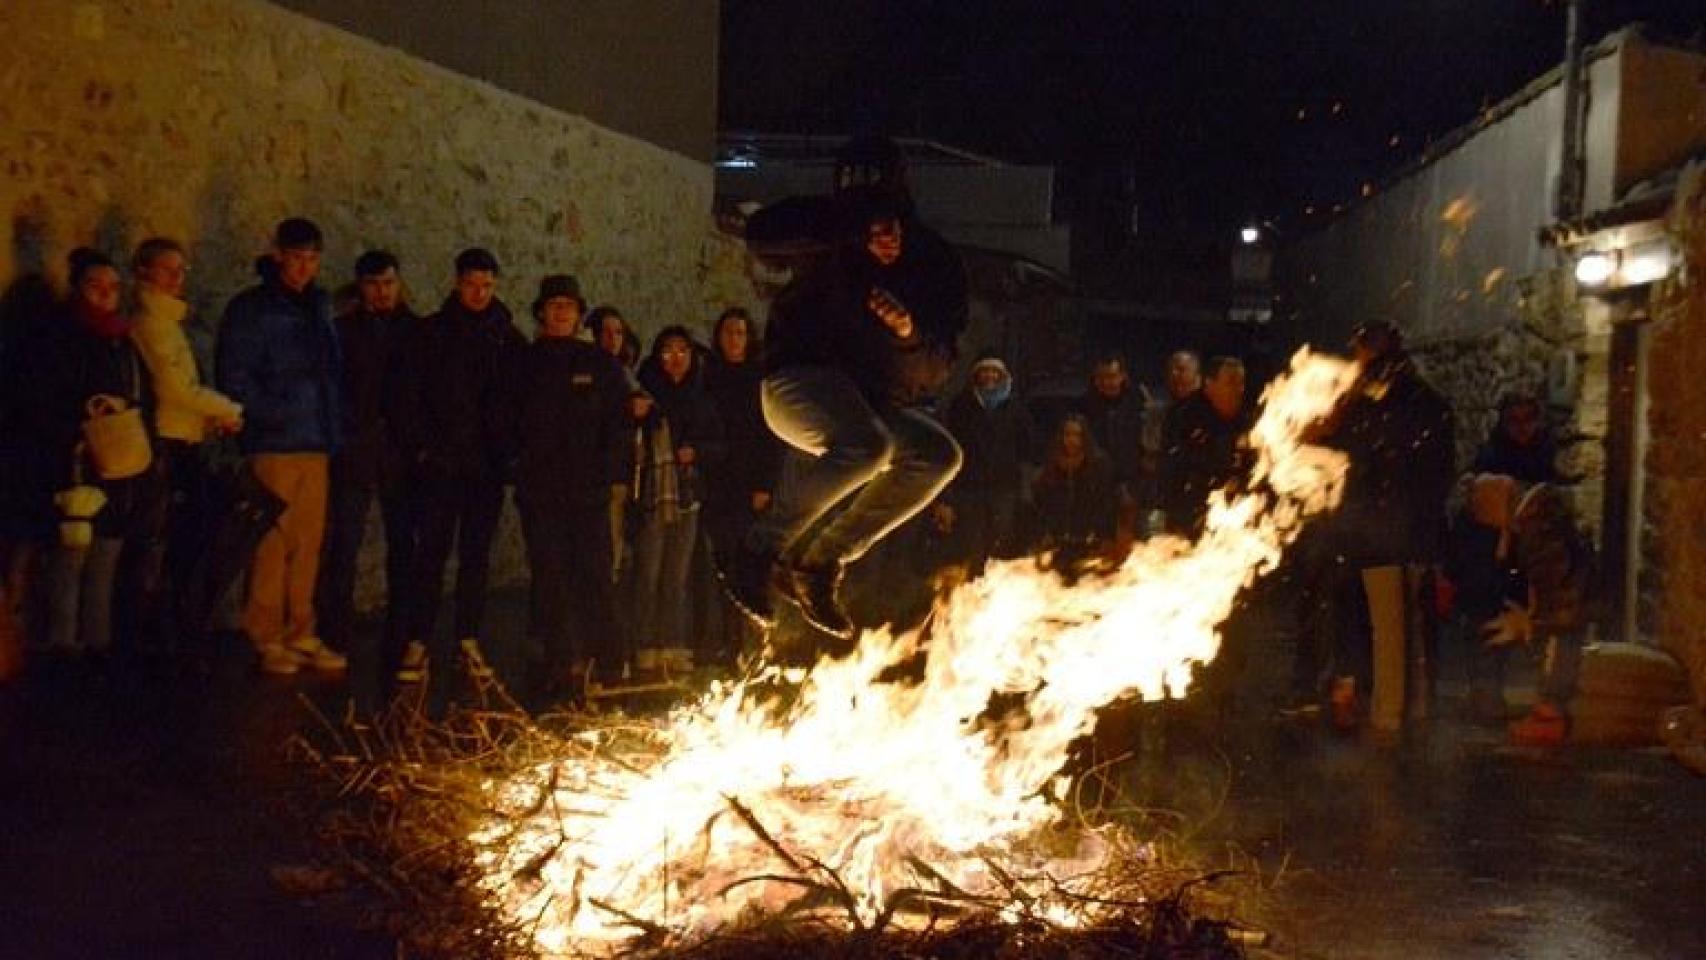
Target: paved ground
x: 135, y: 821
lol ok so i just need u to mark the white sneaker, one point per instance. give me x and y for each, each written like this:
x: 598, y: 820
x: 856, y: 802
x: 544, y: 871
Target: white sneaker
x: 478, y: 668
x: 413, y: 667
x: 279, y: 660
x: 316, y: 654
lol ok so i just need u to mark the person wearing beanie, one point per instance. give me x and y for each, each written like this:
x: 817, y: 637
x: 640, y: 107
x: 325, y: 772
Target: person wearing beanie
x: 999, y: 439
x: 449, y: 407
x: 573, y: 438
x: 369, y: 466
x: 847, y: 363
x: 88, y: 353
x: 277, y: 354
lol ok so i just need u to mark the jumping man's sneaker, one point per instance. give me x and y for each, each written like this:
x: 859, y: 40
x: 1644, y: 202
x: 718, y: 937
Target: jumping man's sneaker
x: 413, y: 667
x: 747, y: 584
x: 816, y: 590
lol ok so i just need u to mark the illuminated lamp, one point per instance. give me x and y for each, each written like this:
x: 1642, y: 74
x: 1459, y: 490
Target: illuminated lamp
x: 1596, y: 268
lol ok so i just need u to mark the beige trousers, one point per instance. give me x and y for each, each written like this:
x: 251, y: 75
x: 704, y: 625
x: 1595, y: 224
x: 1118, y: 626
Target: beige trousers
x: 280, y: 607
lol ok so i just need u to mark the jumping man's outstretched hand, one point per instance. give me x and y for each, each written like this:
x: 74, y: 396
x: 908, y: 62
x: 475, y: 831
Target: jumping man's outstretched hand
x: 891, y: 312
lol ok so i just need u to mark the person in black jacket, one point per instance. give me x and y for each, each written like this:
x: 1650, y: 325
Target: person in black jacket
x: 1520, y: 445
x: 680, y: 445
x: 1076, y: 512
x: 845, y: 363
x: 1399, y: 435
x: 1204, y: 446
x: 86, y: 353
x: 574, y: 440
x: 369, y: 466
x: 448, y: 411
x: 278, y: 356
x: 910, y: 261
x: 1115, y: 411
x: 999, y: 439
x: 742, y: 487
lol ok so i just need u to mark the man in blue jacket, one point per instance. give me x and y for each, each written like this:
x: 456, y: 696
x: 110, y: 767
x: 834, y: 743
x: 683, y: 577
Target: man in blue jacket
x: 278, y: 356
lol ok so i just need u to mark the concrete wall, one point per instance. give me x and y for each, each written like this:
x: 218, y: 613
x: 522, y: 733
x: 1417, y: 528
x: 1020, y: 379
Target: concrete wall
x: 645, y: 67
x: 1673, y: 548
x: 209, y: 120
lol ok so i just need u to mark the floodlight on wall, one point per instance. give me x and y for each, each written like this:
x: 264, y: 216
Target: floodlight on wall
x: 1595, y: 268
x: 1250, y: 235
x: 1625, y: 265
x: 1645, y: 264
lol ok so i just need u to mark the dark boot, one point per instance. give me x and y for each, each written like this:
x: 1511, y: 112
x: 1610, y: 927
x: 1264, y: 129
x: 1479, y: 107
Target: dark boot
x: 816, y: 590
x: 746, y: 581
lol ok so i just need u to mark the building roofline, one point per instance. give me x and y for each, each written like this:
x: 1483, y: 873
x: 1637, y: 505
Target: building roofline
x: 1438, y: 150
x: 811, y: 149
x: 1648, y: 200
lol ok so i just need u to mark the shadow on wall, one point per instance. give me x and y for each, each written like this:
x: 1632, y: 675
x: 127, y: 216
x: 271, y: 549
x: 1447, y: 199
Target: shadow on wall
x: 28, y: 300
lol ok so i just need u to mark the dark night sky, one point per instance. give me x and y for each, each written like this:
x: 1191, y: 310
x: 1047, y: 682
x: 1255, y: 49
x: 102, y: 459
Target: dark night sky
x: 1187, y: 110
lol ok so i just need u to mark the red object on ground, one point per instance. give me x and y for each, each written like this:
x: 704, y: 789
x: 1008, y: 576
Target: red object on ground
x: 1544, y: 726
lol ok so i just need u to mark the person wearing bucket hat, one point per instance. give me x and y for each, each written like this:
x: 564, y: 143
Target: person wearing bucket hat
x: 557, y: 285
x: 87, y: 356
x: 573, y: 438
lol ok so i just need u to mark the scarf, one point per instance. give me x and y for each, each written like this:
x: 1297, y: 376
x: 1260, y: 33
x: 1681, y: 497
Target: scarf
x: 105, y: 324
x: 995, y: 396
x: 667, y: 495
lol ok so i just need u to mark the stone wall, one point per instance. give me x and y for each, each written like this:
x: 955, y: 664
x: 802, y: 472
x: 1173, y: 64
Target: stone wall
x: 209, y: 120
x: 1548, y: 346
x: 1673, y: 580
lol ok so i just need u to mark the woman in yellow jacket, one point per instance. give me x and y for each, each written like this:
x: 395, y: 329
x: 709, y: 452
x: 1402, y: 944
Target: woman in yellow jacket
x: 185, y: 411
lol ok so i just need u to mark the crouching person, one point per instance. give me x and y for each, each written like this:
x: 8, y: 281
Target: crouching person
x: 571, y: 416
x: 1554, y: 557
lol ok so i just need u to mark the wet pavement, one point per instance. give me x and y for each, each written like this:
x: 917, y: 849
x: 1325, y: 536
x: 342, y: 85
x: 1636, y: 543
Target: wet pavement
x: 140, y: 816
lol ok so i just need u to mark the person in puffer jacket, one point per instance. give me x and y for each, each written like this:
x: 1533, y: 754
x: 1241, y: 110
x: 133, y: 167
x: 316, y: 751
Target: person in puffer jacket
x: 277, y: 355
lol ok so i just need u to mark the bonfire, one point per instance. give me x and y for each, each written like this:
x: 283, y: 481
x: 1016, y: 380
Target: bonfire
x: 858, y: 800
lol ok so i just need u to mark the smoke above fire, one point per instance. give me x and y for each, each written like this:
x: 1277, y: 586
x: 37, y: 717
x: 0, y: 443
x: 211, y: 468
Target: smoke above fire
x: 881, y: 786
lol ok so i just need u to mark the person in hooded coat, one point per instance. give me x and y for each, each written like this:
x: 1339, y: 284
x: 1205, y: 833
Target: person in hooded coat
x: 847, y: 365
x: 999, y: 439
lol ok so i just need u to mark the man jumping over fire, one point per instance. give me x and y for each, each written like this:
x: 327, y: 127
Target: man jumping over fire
x: 862, y: 334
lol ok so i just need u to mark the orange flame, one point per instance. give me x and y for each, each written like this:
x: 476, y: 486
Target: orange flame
x: 871, y: 778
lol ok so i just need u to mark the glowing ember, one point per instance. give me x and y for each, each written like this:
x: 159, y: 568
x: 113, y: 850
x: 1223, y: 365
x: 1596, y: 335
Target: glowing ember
x: 872, y: 788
